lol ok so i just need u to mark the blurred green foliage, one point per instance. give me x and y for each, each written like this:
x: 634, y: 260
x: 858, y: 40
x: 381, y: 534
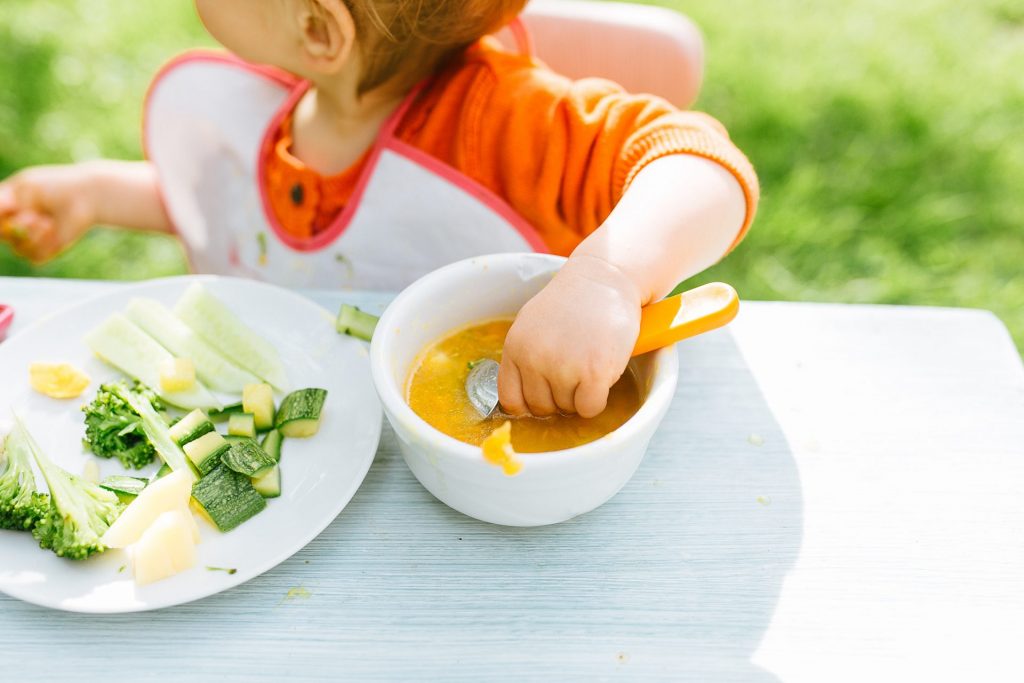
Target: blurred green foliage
x: 889, y: 137
x: 72, y: 78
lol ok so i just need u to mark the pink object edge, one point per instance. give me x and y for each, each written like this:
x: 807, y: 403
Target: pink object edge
x: 6, y: 318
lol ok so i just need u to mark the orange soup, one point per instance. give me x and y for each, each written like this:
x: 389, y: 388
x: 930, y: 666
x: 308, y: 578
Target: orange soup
x: 436, y: 392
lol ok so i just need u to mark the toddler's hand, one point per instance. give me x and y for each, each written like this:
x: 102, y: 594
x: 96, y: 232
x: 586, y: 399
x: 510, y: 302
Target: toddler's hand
x: 44, y: 209
x: 571, y: 342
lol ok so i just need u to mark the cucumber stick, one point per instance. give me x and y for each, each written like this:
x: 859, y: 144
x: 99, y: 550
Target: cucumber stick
x: 121, y: 343
x: 212, y: 368
x: 299, y: 414
x: 213, y: 321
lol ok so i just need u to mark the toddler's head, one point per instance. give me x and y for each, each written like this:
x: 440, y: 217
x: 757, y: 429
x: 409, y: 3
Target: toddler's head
x: 396, y: 42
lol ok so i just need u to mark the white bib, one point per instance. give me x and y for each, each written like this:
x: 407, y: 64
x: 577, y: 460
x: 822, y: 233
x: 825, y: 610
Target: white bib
x: 210, y: 119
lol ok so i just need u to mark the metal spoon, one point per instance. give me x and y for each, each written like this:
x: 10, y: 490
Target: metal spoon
x: 482, y: 386
x: 663, y: 323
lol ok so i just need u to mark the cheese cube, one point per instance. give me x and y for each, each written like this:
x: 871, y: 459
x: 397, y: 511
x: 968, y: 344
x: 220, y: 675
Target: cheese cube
x: 166, y: 548
x: 165, y: 494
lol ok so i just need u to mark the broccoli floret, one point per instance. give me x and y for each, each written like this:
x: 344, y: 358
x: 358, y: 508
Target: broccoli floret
x: 80, y: 512
x: 21, y: 505
x: 114, y: 430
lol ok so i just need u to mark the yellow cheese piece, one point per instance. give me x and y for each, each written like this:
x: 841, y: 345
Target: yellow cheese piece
x: 57, y: 380
x: 497, y: 450
x: 165, y: 494
x: 177, y: 374
x: 166, y: 548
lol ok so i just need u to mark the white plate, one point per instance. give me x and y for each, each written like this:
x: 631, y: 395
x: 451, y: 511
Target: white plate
x: 319, y: 475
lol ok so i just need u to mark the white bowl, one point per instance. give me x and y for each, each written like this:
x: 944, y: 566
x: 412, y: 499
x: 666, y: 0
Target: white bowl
x: 551, y: 487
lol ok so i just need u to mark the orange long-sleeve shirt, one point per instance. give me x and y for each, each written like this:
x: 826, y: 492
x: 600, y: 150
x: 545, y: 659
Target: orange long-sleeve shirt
x: 559, y: 152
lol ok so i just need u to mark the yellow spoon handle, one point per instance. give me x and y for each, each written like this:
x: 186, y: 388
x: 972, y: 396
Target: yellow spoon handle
x: 685, y: 315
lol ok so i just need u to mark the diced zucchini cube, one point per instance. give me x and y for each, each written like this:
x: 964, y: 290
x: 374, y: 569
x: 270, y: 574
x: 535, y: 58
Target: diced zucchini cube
x: 227, y: 497
x: 246, y: 457
x: 222, y: 414
x: 205, y: 452
x: 269, y: 485
x: 126, y: 488
x: 258, y: 399
x: 177, y: 374
x: 299, y: 416
x: 300, y: 429
x: 190, y: 427
x: 242, y: 424
x: 272, y: 444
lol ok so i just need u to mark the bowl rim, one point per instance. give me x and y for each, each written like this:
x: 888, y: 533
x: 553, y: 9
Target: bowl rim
x: 662, y: 391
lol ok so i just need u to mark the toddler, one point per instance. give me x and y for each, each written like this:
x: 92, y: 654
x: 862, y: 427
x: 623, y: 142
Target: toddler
x: 364, y: 143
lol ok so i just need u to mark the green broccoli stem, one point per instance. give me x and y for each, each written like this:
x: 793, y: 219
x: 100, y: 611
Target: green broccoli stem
x: 156, y: 430
x: 57, y: 479
x: 21, y: 504
x: 80, y: 512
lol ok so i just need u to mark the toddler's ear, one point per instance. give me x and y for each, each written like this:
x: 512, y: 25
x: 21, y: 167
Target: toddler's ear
x: 328, y: 34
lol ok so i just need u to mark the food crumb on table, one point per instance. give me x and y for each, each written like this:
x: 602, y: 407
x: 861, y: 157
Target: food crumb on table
x: 226, y: 570
x: 298, y: 592
x: 755, y: 440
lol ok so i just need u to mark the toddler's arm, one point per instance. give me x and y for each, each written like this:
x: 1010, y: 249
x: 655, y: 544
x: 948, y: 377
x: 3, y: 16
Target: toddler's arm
x: 45, y: 209
x: 572, y: 341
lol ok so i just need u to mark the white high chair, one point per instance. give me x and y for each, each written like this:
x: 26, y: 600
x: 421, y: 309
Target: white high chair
x: 642, y: 48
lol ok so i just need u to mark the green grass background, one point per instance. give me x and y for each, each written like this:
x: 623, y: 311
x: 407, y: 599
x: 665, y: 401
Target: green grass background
x: 889, y: 137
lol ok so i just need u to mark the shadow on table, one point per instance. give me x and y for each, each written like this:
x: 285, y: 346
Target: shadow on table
x: 676, y: 578
x: 690, y: 557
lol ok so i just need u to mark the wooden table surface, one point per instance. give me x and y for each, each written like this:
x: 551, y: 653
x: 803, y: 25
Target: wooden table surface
x: 837, y: 494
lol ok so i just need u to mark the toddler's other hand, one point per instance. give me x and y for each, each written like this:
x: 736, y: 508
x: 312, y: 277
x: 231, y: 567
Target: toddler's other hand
x: 571, y: 342
x: 45, y: 209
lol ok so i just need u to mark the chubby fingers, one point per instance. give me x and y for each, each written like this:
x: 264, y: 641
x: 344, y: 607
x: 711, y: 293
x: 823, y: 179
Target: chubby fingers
x: 522, y: 393
x: 510, y: 388
x: 591, y: 398
x: 530, y: 393
x: 538, y: 395
x: 32, y: 235
x: 563, y: 390
x: 8, y: 202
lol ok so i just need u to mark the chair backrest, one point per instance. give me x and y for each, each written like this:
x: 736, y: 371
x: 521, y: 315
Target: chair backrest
x: 642, y: 48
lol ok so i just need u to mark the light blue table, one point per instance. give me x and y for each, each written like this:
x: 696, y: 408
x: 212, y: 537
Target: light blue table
x: 837, y: 494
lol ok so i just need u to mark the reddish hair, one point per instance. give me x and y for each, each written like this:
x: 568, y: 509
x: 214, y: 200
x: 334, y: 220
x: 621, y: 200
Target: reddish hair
x: 406, y: 40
